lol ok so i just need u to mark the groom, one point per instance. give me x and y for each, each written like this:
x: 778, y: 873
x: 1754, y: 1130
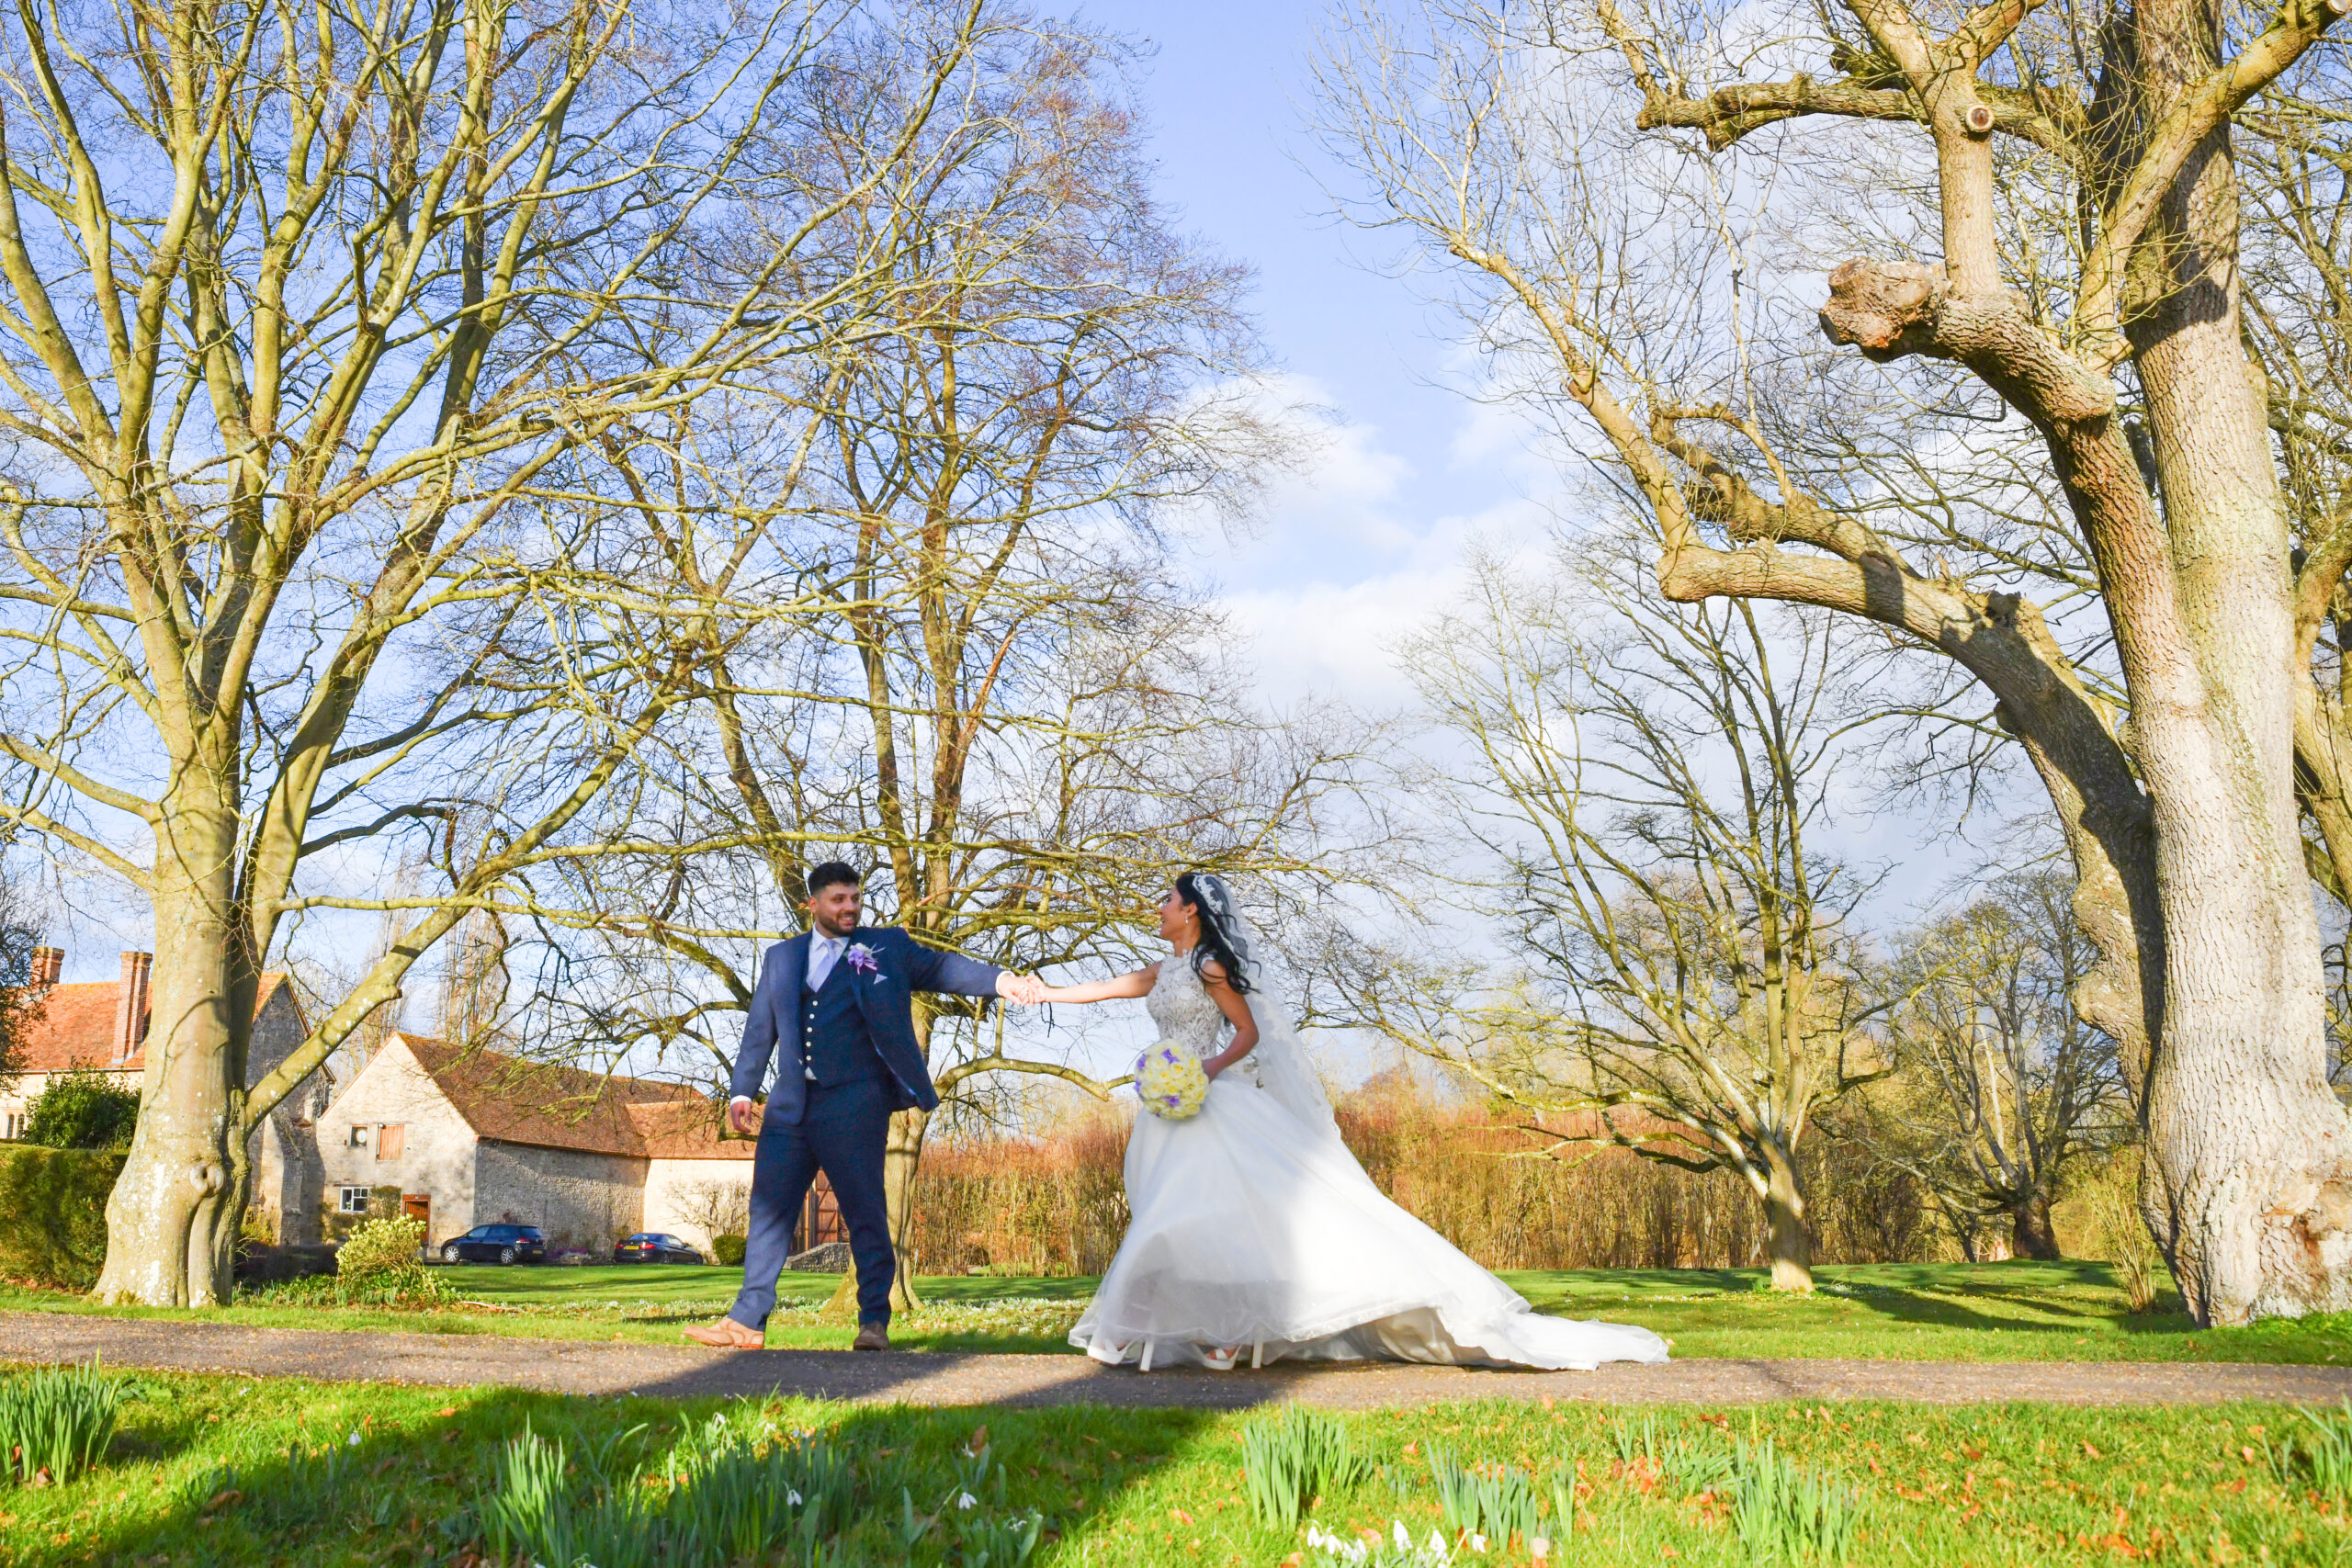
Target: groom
x: 833, y: 1007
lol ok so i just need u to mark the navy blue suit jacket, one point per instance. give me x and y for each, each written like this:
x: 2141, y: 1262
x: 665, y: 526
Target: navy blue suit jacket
x: 885, y: 997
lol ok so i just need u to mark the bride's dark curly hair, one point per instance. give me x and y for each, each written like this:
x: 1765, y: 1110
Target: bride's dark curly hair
x: 1220, y: 936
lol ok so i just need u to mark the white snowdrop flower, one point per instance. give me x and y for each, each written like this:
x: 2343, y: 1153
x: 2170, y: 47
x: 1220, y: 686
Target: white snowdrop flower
x: 354, y: 1439
x: 791, y: 1498
x: 965, y: 1500
x: 1478, y: 1543
x: 1404, y: 1541
x: 1437, y: 1546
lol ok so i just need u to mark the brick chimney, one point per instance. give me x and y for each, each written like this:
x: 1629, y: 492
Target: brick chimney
x: 49, y: 962
x: 131, y: 1005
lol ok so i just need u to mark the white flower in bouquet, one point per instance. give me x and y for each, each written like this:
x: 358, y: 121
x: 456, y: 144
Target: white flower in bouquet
x: 1170, y: 1081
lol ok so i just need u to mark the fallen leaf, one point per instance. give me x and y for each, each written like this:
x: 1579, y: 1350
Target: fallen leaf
x: 1180, y: 1516
x: 979, y: 1439
x: 2089, y: 1451
x: 447, y: 1411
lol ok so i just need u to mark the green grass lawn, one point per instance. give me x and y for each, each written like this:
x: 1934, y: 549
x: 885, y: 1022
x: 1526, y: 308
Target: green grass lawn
x: 199, y: 1474
x: 1996, y: 1312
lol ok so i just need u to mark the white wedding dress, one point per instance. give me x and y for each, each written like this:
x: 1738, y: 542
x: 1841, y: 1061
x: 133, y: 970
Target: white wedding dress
x: 1253, y: 1228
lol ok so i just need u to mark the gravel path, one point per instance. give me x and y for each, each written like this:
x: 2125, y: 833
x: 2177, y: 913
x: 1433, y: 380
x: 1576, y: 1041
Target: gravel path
x: 588, y: 1367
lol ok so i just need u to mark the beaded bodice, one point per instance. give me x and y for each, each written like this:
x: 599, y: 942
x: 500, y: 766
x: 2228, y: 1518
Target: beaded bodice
x: 1184, y: 1011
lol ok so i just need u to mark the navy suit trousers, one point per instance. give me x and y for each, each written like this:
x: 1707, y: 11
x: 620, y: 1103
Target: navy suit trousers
x: 841, y: 1132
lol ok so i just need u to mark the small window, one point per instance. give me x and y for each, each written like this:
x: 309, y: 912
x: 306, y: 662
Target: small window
x: 391, y: 1140
x: 358, y: 1137
x: 353, y: 1201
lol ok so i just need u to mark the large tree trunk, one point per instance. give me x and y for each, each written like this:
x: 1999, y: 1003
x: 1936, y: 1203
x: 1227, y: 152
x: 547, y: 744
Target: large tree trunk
x: 2031, y: 1231
x: 174, y: 1216
x: 1788, y: 1242
x: 902, y: 1158
x: 2254, y: 1199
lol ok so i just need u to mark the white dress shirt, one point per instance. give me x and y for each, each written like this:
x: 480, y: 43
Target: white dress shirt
x: 822, y: 952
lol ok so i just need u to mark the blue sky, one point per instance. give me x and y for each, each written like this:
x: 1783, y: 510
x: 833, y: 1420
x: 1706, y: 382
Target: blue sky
x: 1364, y: 538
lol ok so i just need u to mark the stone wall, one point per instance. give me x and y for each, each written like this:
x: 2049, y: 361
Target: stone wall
x: 678, y: 1193
x: 436, y: 1160
x: 580, y: 1200
x: 284, y: 1149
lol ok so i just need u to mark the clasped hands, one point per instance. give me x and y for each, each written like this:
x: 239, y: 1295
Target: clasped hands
x: 1021, y: 990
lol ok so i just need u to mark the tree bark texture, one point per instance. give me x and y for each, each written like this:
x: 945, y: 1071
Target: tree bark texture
x: 2031, y: 1231
x: 2182, y: 820
x: 174, y: 1216
x: 1788, y: 1240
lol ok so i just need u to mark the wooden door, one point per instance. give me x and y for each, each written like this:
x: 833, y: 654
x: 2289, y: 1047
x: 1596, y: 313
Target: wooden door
x: 820, y: 1217
x: 418, y: 1206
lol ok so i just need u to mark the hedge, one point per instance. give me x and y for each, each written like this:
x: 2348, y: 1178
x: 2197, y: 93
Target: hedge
x: 728, y: 1250
x: 53, y: 1213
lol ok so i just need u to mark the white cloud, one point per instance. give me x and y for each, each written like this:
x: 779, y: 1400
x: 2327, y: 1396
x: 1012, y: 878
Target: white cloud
x: 1360, y: 545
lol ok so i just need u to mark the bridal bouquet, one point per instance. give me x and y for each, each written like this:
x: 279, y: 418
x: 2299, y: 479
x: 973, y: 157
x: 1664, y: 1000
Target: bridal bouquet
x: 1170, y: 1081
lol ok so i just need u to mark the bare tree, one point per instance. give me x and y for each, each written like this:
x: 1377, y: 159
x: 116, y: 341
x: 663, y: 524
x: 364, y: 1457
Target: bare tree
x: 718, y: 1208
x: 320, y: 330
x: 1650, y: 778
x: 2002, y: 1084
x: 2071, y: 174
x: 1007, y: 703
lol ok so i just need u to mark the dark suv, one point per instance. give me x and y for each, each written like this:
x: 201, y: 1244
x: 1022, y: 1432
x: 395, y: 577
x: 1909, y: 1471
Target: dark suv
x: 497, y: 1243
x: 651, y: 1247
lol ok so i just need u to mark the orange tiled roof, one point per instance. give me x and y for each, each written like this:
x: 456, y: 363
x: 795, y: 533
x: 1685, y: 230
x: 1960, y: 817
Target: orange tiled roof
x: 75, y: 1028
x: 510, y: 1101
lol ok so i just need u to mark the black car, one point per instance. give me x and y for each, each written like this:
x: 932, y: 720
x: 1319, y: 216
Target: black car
x: 651, y: 1247
x: 497, y: 1243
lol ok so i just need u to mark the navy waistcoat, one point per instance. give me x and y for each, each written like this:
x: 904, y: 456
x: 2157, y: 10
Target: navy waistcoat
x: 834, y: 1029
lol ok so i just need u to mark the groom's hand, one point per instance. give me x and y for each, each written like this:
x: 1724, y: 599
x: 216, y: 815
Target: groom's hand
x: 1022, y: 990
x: 744, y: 1116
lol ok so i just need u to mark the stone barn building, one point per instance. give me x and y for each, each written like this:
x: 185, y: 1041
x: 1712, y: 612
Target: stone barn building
x: 474, y: 1137
x: 101, y: 1026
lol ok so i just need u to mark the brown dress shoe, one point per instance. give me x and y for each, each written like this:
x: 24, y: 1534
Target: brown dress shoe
x: 726, y: 1335
x: 872, y: 1337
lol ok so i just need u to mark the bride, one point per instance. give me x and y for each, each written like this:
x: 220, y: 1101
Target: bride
x: 1254, y: 1231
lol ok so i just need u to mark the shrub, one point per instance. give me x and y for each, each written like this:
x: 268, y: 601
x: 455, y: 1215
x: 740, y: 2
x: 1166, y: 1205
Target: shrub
x: 82, y: 1109
x: 378, y: 1263
x: 53, y: 1213
x: 2123, y: 1237
x: 55, y: 1421
x: 728, y: 1250
x: 1056, y: 1203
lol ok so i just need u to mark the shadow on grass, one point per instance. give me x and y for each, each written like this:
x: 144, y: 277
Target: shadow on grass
x: 412, y: 1487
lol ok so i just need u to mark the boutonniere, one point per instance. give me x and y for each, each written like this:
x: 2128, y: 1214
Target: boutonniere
x: 860, y: 957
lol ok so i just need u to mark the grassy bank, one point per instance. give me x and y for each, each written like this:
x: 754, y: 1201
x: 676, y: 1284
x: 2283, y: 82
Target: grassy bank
x: 1996, y: 1312
x: 200, y: 1473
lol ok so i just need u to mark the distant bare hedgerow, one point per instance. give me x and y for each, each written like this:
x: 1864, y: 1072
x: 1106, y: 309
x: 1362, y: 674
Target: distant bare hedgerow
x: 1056, y: 1204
